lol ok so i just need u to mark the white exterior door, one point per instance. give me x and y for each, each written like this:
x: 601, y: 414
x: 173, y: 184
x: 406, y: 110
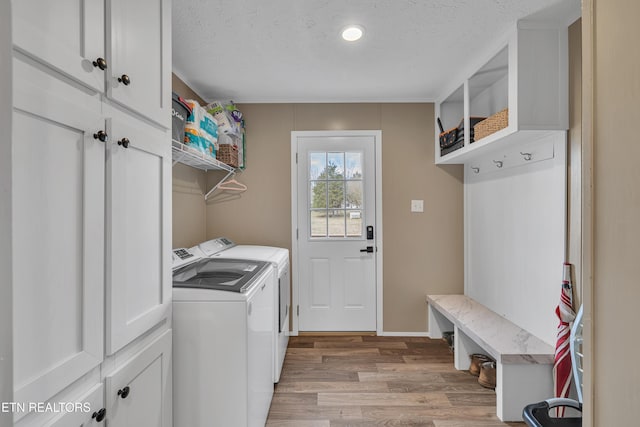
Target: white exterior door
x: 336, y: 207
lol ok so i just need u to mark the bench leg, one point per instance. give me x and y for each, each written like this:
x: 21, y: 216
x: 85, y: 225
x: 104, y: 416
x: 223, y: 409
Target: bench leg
x: 463, y: 347
x: 520, y: 385
x: 437, y: 323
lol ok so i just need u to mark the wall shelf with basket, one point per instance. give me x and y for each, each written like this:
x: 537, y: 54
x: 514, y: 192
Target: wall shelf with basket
x: 516, y: 93
x: 196, y: 159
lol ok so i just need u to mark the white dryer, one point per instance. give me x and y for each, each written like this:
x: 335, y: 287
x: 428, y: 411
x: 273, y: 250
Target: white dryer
x: 223, y: 247
x: 222, y: 341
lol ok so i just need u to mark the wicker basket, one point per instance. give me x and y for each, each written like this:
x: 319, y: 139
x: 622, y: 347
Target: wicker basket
x: 228, y: 154
x: 492, y: 124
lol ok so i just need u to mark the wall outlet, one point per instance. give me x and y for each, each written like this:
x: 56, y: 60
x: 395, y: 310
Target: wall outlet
x: 417, y: 206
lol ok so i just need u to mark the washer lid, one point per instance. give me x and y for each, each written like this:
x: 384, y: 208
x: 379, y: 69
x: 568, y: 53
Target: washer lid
x: 233, y: 275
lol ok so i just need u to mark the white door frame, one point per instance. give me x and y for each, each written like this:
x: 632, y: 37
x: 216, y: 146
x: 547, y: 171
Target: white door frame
x: 377, y: 136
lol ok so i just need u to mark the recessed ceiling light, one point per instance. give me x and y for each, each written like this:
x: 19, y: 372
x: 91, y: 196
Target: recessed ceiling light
x: 352, y: 33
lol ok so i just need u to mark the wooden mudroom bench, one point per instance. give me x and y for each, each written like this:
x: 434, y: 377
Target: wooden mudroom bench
x: 524, y: 362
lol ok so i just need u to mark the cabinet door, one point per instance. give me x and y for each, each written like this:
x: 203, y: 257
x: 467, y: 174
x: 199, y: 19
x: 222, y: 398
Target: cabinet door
x: 139, y: 393
x: 58, y: 233
x: 82, y: 415
x: 139, y: 47
x: 138, y: 228
x: 67, y: 35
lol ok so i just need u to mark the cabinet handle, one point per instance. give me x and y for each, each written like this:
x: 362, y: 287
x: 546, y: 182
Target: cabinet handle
x: 124, y: 392
x: 101, y: 135
x: 125, y: 80
x: 124, y: 142
x: 262, y: 288
x: 99, y: 415
x: 100, y: 63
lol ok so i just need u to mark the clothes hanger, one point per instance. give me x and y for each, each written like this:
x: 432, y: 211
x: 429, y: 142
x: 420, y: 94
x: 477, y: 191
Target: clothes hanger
x: 232, y: 185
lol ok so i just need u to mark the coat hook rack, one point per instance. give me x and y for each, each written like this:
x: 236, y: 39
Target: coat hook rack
x: 475, y: 170
x: 527, y: 156
x: 498, y: 163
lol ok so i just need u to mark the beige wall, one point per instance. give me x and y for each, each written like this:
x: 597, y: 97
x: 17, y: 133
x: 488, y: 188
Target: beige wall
x: 181, y: 88
x: 422, y: 252
x: 616, y: 212
x: 189, y: 188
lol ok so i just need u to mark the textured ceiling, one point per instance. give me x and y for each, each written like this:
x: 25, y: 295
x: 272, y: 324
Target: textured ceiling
x: 291, y: 50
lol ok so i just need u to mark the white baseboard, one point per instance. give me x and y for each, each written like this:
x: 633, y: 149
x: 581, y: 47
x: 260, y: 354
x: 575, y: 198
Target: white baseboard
x: 404, y: 334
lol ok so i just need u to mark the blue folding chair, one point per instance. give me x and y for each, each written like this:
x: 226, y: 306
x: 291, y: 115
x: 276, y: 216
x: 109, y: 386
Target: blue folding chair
x: 537, y: 414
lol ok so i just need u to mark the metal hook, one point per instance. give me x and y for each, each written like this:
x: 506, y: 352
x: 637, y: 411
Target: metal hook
x: 498, y: 163
x: 527, y: 156
x: 475, y: 170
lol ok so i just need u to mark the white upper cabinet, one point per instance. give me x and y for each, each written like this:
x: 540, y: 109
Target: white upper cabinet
x: 138, y: 228
x: 139, y: 57
x: 67, y: 35
x: 58, y: 233
x: 526, y: 73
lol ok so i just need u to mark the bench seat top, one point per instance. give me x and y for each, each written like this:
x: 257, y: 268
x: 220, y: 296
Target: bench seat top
x: 502, y: 339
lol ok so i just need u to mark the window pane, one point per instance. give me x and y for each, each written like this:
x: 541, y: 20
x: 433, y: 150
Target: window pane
x: 336, y: 223
x: 318, y: 195
x: 354, y: 223
x: 318, y: 221
x: 335, y: 165
x: 354, y: 195
x: 354, y: 166
x: 317, y: 164
x: 336, y: 195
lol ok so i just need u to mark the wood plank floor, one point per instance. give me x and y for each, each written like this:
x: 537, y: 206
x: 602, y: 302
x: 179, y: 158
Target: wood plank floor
x: 331, y: 381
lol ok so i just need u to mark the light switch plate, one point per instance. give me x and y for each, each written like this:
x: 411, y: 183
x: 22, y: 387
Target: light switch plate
x: 417, y: 206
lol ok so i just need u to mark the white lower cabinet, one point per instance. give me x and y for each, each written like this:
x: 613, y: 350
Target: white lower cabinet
x: 138, y: 393
x: 84, y: 409
x: 91, y: 414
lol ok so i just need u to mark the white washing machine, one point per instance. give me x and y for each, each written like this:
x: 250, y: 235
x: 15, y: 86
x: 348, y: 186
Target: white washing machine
x: 222, y: 341
x: 223, y: 247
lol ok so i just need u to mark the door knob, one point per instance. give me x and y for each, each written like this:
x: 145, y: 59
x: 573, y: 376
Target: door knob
x: 368, y: 249
x: 100, y: 63
x: 101, y: 135
x: 99, y: 415
x: 124, y: 392
x: 124, y: 142
x: 125, y: 80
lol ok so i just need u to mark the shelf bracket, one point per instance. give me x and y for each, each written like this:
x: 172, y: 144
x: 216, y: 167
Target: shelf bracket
x: 215, y: 187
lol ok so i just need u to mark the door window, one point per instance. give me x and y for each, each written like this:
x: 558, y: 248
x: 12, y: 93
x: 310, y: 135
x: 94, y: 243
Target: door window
x: 335, y: 194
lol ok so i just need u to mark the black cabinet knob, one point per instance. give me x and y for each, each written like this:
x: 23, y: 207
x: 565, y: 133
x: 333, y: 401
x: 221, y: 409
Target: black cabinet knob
x: 100, y: 63
x: 101, y: 135
x: 124, y: 392
x: 125, y: 143
x: 125, y: 80
x: 99, y: 415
